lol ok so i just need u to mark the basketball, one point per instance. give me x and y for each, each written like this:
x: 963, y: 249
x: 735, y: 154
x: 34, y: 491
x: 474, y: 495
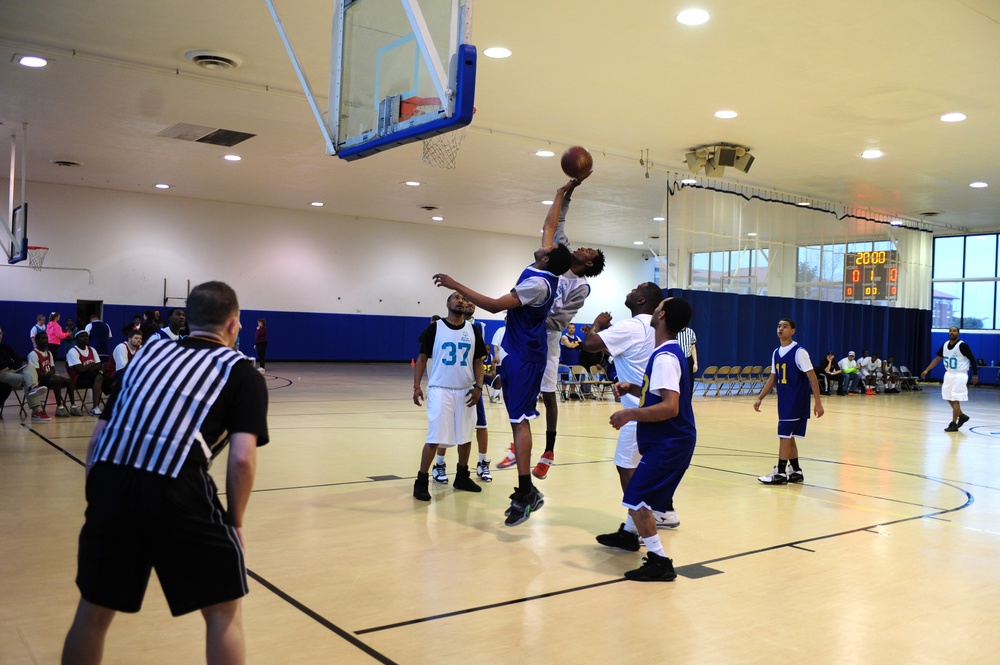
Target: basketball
x: 576, y: 161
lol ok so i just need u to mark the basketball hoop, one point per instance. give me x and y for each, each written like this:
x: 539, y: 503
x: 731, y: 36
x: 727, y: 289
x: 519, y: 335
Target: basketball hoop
x: 36, y: 257
x: 442, y: 150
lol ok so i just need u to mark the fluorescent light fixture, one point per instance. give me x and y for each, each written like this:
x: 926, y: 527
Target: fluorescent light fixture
x: 659, y: 219
x: 497, y: 52
x: 638, y: 242
x: 162, y: 185
x: 874, y: 153
x: 317, y: 204
x: 437, y: 218
x: 688, y: 181
x: 752, y: 234
x: 896, y: 222
x: 803, y: 203
x: 726, y: 115
x: 32, y: 61
x: 544, y: 153
x: 411, y: 183
x: 979, y: 184
x: 953, y: 117
x: 232, y: 158
x: 546, y: 203
x: 693, y: 17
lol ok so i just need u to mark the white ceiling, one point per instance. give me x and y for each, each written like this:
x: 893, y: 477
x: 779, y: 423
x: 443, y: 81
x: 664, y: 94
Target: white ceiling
x: 814, y: 83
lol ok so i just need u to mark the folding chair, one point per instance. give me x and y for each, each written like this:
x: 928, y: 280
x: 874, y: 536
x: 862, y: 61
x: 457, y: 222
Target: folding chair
x: 745, y: 380
x: 707, y: 378
x: 720, y: 377
x: 21, y: 400
x: 906, y: 380
x: 734, y: 378
x: 601, y: 379
x: 584, y: 381
x: 567, y: 384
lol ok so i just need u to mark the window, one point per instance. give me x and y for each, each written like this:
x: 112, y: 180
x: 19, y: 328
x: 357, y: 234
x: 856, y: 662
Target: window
x: 965, y: 292
x: 735, y: 271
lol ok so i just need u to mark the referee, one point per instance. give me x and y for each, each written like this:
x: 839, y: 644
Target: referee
x: 688, y: 341
x: 151, y: 503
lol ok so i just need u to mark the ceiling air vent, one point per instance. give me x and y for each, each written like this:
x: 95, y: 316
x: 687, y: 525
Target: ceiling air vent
x: 65, y: 162
x: 215, y: 61
x: 929, y: 213
x: 183, y: 131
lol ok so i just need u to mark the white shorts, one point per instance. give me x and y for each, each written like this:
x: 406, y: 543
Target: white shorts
x: 955, y: 387
x: 627, y: 450
x: 552, y: 362
x: 449, y: 421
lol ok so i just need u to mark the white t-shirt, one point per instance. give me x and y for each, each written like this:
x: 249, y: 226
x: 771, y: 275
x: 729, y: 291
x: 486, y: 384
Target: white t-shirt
x: 802, y: 359
x: 630, y: 343
x: 666, y: 372
x: 75, y: 356
x: 532, y: 291
x: 42, y: 362
x: 121, y: 356
x: 497, y: 343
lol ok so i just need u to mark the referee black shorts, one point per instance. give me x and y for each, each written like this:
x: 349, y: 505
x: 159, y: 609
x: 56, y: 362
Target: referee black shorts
x: 137, y: 521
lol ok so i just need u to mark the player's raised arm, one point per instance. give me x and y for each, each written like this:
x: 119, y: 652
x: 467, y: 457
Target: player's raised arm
x: 492, y: 305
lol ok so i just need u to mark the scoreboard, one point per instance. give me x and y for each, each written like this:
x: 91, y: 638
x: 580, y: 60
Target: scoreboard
x: 871, y: 275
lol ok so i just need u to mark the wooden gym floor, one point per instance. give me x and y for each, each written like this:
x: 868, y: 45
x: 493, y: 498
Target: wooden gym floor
x: 887, y: 554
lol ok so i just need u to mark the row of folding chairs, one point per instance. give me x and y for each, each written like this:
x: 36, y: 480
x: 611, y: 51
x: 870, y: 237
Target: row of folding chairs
x: 585, y: 383
x: 732, y: 378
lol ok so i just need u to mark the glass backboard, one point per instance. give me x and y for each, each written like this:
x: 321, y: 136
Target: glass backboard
x: 18, y: 247
x: 401, y: 71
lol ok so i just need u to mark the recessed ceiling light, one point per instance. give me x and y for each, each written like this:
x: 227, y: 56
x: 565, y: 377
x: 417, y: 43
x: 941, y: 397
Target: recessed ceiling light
x: 317, y: 204
x: 752, y: 234
x: 411, y: 183
x: 689, y: 181
x: 803, y: 203
x: 953, y: 117
x: 437, y: 218
x: 659, y: 219
x: 497, y: 52
x: 693, y: 17
x: 546, y: 203
x: 162, y: 185
x: 979, y: 184
x: 32, y: 61
x: 874, y: 153
x: 232, y: 158
x: 638, y: 242
x: 726, y: 115
x: 896, y: 222
x: 544, y: 153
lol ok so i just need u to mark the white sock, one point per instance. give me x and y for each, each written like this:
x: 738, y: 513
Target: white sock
x: 630, y: 524
x: 439, y: 459
x: 482, y: 457
x: 653, y: 545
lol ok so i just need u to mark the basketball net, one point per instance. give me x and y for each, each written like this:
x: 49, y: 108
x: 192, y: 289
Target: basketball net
x: 442, y: 150
x: 36, y: 257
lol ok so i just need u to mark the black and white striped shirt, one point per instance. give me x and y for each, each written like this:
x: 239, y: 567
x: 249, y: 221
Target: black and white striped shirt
x: 687, y: 339
x: 177, y: 394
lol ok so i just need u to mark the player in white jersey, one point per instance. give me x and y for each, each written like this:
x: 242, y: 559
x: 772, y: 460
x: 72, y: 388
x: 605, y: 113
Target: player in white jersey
x: 454, y: 385
x: 571, y: 293
x: 958, y: 360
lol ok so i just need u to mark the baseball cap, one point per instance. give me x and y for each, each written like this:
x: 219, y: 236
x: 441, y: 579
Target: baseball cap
x: 850, y: 353
x: 81, y: 331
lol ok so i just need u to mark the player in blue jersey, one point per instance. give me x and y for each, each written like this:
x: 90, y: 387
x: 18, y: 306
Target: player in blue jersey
x: 525, y: 342
x: 665, y: 433
x: 793, y: 375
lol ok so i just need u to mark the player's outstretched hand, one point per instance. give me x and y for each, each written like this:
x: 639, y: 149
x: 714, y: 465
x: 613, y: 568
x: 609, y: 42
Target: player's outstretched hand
x: 620, y: 418
x: 447, y: 282
x: 418, y: 396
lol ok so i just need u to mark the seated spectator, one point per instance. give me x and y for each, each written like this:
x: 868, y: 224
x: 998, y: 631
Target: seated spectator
x: 569, y: 353
x: 86, y: 369
x: 849, y: 369
x: 45, y: 366
x: 149, y: 326
x: 829, y: 373
x: 15, y: 372
x: 157, y: 320
x: 135, y: 325
x: 55, y: 332
x: 39, y: 327
x: 873, y: 376
x: 174, y: 328
x: 891, y: 375
x: 100, y: 335
x: 68, y: 326
x: 115, y: 367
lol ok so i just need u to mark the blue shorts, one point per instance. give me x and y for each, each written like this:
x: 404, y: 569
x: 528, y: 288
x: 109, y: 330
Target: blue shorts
x: 522, y: 381
x: 788, y: 429
x: 656, y: 479
x: 480, y: 414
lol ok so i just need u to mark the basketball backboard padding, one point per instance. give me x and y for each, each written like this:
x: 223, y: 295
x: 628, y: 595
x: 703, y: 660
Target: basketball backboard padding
x: 465, y: 97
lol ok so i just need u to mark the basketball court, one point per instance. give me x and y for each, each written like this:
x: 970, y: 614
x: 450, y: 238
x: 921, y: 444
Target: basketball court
x: 886, y: 554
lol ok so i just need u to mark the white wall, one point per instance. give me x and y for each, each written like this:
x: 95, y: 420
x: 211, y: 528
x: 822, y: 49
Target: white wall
x: 283, y: 260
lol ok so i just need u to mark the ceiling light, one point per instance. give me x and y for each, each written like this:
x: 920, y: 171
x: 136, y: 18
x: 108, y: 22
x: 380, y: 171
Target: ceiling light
x: 317, y: 204
x: 689, y: 181
x: 752, y: 234
x: 232, y: 158
x: 726, y: 115
x: 953, y: 117
x: 693, y: 17
x: 803, y: 203
x: 874, y: 153
x: 544, y: 153
x: 638, y: 242
x: 979, y: 184
x: 546, y: 203
x: 497, y: 52
x: 162, y: 185
x: 896, y: 222
x: 659, y: 219
x: 32, y: 61
x: 411, y: 183
x: 437, y: 219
